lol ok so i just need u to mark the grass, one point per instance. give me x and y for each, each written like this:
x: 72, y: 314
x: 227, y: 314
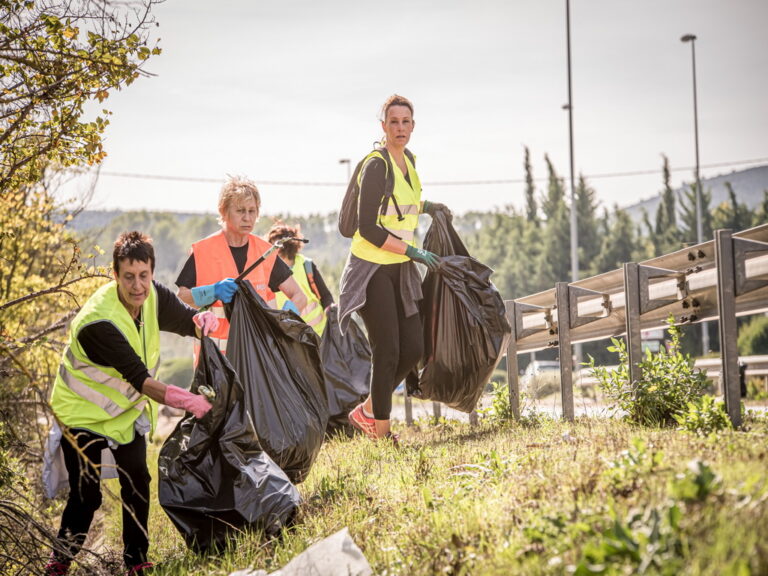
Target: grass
x: 540, y: 497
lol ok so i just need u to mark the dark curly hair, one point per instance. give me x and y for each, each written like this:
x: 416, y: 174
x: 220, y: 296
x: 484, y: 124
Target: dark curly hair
x: 281, y: 230
x: 133, y: 246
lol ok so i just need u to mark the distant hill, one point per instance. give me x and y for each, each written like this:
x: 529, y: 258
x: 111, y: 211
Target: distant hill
x: 748, y: 184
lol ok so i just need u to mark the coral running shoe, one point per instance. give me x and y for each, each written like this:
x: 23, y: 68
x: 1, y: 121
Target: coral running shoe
x: 359, y: 420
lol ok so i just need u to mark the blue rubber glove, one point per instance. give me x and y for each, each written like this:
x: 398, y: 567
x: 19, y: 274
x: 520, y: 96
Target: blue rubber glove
x: 289, y: 305
x: 430, y: 260
x: 432, y: 208
x: 223, y: 290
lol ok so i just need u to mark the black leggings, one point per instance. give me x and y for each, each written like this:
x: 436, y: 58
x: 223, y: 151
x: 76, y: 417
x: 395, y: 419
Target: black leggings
x: 85, y: 493
x: 396, y: 341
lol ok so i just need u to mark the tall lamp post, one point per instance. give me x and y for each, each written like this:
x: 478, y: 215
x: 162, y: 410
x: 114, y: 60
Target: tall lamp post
x: 348, y: 163
x: 699, y: 224
x: 574, y: 220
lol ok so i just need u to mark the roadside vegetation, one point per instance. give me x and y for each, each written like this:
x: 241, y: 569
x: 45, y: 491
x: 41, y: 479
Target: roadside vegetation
x: 542, y: 496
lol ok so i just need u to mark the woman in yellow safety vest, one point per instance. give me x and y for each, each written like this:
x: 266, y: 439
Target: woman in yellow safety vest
x: 104, y: 391
x: 207, y: 276
x: 307, y: 276
x: 380, y: 280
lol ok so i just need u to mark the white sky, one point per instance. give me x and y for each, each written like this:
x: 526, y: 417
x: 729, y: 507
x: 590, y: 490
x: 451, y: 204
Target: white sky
x: 280, y: 91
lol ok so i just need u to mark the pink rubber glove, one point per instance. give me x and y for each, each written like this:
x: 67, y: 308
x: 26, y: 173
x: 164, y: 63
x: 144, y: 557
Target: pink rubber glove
x: 180, y: 398
x: 206, y: 321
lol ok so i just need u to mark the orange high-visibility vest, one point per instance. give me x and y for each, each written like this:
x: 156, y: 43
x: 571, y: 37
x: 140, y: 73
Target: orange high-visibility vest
x: 214, y: 262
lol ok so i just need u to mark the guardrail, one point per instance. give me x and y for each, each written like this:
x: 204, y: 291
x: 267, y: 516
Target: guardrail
x: 720, y: 279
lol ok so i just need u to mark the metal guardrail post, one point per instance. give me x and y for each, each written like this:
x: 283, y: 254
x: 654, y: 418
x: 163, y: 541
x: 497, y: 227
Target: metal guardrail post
x: 513, y: 372
x: 564, y: 348
x: 632, y: 319
x: 726, y: 306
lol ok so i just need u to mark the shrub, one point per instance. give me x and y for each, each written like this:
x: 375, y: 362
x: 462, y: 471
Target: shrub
x: 500, y: 409
x: 668, y: 383
x: 704, y: 416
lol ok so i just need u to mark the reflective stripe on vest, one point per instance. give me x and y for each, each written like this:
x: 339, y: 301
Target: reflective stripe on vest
x: 313, y: 313
x: 96, y: 398
x: 408, y: 198
x: 214, y: 262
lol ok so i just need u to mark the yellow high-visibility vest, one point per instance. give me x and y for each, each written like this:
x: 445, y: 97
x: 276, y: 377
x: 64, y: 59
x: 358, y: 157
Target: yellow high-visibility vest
x: 313, y: 313
x: 408, y: 198
x: 96, y: 398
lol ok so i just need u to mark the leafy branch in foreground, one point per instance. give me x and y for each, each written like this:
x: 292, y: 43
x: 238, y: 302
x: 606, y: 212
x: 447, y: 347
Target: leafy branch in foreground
x: 55, y: 57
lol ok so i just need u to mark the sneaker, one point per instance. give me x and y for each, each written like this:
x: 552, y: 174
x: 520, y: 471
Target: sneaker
x: 56, y: 568
x: 359, y: 420
x: 140, y: 569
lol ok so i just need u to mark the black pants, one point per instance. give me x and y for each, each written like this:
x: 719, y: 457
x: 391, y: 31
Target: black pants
x: 85, y: 493
x: 397, y: 342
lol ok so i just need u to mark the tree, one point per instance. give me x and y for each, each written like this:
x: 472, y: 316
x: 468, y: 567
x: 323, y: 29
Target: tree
x: 554, y: 263
x: 555, y: 196
x: 731, y: 214
x: 55, y: 57
x: 760, y: 215
x: 588, y: 226
x: 531, y: 208
x: 666, y: 235
x: 688, y: 215
x: 618, y: 245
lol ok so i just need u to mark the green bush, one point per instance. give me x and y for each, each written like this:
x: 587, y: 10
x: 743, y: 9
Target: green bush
x: 668, y: 383
x: 500, y: 409
x: 753, y: 338
x: 704, y: 416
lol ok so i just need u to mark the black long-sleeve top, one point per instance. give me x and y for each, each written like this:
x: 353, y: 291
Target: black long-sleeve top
x: 105, y: 345
x: 371, y: 196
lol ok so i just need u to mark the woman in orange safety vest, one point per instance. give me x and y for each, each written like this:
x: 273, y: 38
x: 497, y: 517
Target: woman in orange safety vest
x: 207, y: 276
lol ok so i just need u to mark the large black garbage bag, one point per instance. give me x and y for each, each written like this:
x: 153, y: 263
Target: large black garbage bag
x: 214, y: 477
x: 277, y: 357
x: 465, y: 327
x: 347, y: 366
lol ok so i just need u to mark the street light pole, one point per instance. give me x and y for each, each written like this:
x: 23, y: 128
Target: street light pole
x: 574, y: 220
x: 699, y: 223
x: 699, y: 226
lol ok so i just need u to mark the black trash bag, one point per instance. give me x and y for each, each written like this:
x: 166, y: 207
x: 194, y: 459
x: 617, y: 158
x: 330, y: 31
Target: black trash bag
x: 277, y: 357
x: 215, y: 480
x: 347, y: 366
x: 465, y: 326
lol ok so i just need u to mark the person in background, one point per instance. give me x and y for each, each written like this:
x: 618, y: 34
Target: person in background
x: 380, y: 280
x: 306, y: 274
x: 105, y: 392
x: 207, y: 276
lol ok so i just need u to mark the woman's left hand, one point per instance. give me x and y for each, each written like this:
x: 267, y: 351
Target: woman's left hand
x: 432, y: 208
x: 206, y: 321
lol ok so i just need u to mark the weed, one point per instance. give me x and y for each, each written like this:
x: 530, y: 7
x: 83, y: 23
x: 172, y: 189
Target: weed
x: 696, y: 483
x: 704, y: 416
x: 626, y: 472
x: 668, y: 383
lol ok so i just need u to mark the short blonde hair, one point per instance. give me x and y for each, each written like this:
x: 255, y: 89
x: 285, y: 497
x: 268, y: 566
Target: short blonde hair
x: 237, y: 189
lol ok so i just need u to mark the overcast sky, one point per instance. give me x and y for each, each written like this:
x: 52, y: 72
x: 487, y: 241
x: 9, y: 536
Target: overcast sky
x: 281, y: 91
